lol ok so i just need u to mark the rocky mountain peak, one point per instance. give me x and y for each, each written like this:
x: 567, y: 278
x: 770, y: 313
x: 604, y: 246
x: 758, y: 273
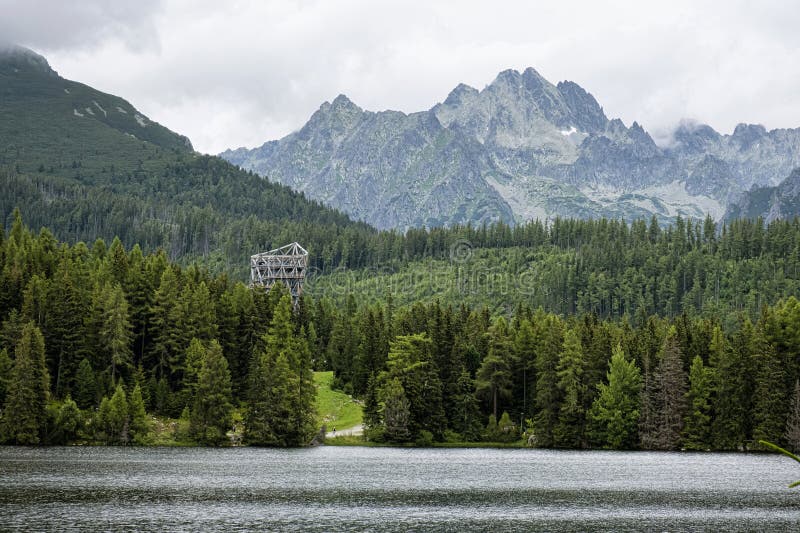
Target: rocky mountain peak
x: 460, y: 94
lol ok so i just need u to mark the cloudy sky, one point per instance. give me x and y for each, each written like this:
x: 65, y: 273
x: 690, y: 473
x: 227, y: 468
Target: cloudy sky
x: 238, y: 73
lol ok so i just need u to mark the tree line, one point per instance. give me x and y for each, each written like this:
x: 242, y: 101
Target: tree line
x: 94, y: 340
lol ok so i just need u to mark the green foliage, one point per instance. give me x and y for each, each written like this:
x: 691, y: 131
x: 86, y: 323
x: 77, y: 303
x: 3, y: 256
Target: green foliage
x: 396, y: 412
x: 211, y: 414
x: 281, y: 390
x: 697, y: 422
x: 614, y: 415
x: 85, y: 388
x: 569, y: 431
x: 139, y: 424
x: 25, y: 411
x: 787, y: 453
x: 114, y: 418
x: 68, y: 422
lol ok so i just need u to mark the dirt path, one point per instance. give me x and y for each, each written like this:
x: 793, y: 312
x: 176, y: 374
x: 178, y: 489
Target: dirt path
x: 354, y: 431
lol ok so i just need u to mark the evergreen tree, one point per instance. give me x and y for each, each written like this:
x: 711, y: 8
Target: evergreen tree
x: 731, y: 428
x: 548, y: 396
x: 697, y: 423
x: 114, y: 419
x: 569, y: 431
x: 68, y: 421
x: 467, y: 415
x: 116, y: 332
x: 770, y: 408
x: 671, y: 388
x: 212, y: 409
x: 25, y: 410
x: 139, y: 425
x: 396, y: 412
x: 410, y: 361
x: 85, y: 387
x: 281, y: 393
x: 493, y: 380
x: 614, y: 415
x: 6, y: 368
x: 792, y: 434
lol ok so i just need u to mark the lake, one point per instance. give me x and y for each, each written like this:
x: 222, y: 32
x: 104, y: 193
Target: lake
x: 392, y: 489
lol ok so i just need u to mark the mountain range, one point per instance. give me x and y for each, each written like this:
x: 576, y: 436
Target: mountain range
x: 520, y: 149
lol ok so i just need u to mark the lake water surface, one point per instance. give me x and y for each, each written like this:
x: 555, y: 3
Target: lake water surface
x: 390, y: 489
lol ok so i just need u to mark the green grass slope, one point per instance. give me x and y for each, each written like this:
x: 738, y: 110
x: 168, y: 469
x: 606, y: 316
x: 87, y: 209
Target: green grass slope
x: 335, y: 409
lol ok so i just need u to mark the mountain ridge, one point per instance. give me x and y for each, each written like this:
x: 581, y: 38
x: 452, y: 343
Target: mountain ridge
x: 520, y: 148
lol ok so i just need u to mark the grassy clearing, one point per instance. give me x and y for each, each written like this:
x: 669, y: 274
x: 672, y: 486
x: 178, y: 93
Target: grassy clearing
x: 335, y: 409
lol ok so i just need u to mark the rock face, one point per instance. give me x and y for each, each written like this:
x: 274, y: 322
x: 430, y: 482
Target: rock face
x: 770, y: 203
x: 521, y: 148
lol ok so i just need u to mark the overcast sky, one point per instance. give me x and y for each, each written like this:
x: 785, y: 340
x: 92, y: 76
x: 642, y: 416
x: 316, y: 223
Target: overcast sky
x: 238, y: 73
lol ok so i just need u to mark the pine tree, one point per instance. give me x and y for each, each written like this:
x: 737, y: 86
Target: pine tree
x: 114, y: 419
x: 548, y: 396
x: 792, y: 434
x: 281, y: 392
x: 410, y: 360
x: 68, y: 421
x: 139, y: 425
x: 770, y: 409
x: 167, y: 327
x: 85, y: 387
x: 671, y: 388
x: 493, y: 379
x: 731, y: 428
x: 116, y: 332
x: 467, y: 419
x: 396, y: 412
x: 614, y: 415
x: 25, y: 410
x: 697, y: 423
x: 212, y: 409
x: 569, y: 431
x: 6, y: 368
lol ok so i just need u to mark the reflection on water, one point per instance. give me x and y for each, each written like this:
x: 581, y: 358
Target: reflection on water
x: 334, y: 488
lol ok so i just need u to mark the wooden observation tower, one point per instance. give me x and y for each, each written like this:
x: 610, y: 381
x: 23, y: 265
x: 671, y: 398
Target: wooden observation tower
x: 286, y: 265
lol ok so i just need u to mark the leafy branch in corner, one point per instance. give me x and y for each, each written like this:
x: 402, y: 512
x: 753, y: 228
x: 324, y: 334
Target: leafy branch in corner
x: 787, y: 453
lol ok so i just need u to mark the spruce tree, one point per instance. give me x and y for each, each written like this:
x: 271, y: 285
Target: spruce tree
x: 25, y: 410
x: 614, y: 415
x: 697, y: 423
x: 396, y: 412
x: 548, y: 396
x: 467, y: 419
x: 281, y: 392
x: 211, y: 410
x: 116, y: 332
x: 6, y: 368
x: 139, y: 425
x: 671, y: 388
x: 569, y: 431
x: 493, y: 380
x: 85, y: 388
x: 792, y: 434
x: 770, y: 408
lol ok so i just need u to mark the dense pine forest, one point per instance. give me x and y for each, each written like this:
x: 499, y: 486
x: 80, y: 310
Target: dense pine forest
x: 646, y: 337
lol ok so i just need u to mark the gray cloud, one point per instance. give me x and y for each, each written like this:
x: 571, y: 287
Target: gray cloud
x: 238, y: 74
x: 58, y: 25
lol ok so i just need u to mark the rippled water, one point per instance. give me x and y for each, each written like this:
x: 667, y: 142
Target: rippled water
x: 336, y: 488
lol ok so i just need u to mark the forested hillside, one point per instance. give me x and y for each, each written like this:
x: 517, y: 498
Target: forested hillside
x: 95, y: 339
x: 605, y: 267
x: 87, y: 164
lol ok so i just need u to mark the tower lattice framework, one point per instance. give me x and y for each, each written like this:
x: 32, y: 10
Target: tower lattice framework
x: 286, y: 265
